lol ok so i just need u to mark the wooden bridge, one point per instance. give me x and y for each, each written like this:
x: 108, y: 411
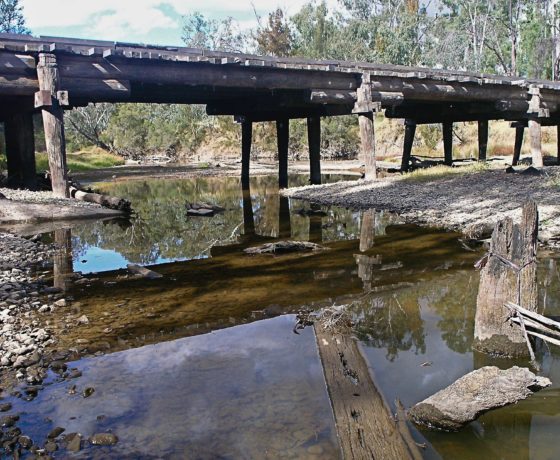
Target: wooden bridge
x: 51, y: 75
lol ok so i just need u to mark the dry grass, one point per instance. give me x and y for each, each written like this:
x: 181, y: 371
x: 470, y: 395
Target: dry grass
x: 444, y: 172
x: 84, y: 160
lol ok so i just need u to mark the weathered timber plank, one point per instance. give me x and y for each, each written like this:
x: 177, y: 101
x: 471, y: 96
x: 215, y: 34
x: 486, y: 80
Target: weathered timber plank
x: 519, y: 131
x: 366, y: 428
x: 409, y: 132
x: 482, y: 139
x: 536, y: 143
x: 447, y: 128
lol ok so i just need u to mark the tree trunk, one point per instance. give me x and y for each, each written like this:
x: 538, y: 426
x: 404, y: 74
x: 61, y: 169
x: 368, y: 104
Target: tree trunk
x: 510, y: 274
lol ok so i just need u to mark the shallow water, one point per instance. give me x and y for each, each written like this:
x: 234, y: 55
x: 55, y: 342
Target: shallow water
x: 203, y: 363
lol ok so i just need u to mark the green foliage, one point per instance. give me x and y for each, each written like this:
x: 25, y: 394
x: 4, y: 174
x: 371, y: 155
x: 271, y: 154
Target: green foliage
x: 92, y: 158
x: 11, y: 17
x: 275, y: 38
x: 201, y: 32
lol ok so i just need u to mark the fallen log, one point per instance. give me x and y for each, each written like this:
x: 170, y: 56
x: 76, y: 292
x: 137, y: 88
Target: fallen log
x: 203, y: 209
x: 531, y: 322
x: 472, y: 395
x: 106, y: 201
x: 366, y: 428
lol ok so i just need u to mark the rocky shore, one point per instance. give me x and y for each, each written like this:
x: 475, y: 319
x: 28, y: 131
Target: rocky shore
x: 28, y: 356
x: 470, y: 203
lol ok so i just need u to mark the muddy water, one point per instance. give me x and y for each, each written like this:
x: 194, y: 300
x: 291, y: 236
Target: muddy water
x: 203, y: 363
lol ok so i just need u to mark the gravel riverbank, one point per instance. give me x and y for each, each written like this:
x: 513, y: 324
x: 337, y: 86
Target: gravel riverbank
x: 470, y: 203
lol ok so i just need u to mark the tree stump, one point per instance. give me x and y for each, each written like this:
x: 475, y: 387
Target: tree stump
x: 510, y: 274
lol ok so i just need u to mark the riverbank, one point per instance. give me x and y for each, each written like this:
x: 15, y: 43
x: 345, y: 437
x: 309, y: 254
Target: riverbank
x: 470, y: 201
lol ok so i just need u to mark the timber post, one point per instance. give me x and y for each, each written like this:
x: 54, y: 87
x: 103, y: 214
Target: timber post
x: 283, y: 138
x: 509, y: 274
x: 246, y: 140
x: 482, y: 139
x: 558, y: 144
x: 536, y: 111
x: 366, y: 108
x: 536, y: 143
x: 284, y: 219
x: 447, y: 128
x: 409, y: 132
x: 519, y: 132
x: 20, y: 150
x: 50, y: 100
x: 314, y: 141
x: 248, y: 217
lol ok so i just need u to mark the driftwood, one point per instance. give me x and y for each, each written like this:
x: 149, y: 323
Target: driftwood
x: 475, y: 393
x: 284, y: 247
x: 535, y: 324
x: 509, y: 274
x: 203, y: 209
x: 366, y: 428
x: 106, y: 201
x: 143, y: 272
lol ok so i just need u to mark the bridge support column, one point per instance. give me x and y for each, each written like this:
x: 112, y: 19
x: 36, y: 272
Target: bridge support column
x: 248, y: 217
x: 519, y: 132
x: 482, y: 139
x: 53, y: 122
x: 536, y: 143
x: 283, y: 137
x: 20, y: 150
x: 284, y: 221
x: 314, y: 141
x: 367, y: 136
x: 246, y: 141
x: 448, y: 142
x: 558, y: 144
x: 409, y: 132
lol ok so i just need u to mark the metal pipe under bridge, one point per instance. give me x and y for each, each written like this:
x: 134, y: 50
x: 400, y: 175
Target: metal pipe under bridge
x: 51, y: 75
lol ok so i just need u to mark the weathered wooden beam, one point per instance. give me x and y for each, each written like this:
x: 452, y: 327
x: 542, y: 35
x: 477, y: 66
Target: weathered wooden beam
x: 246, y: 141
x: 20, y: 150
x: 53, y: 122
x: 519, y: 132
x: 367, y: 140
x: 409, y: 132
x: 283, y: 138
x: 447, y: 128
x: 314, y: 141
x: 536, y: 143
x: 365, y: 425
x: 482, y: 139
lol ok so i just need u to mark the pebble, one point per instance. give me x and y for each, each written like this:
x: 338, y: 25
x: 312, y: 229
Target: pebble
x: 74, y: 441
x: 55, y: 432
x: 104, y: 439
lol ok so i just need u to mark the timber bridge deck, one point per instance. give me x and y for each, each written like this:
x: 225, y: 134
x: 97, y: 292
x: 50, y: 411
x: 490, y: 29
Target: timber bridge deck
x: 51, y: 74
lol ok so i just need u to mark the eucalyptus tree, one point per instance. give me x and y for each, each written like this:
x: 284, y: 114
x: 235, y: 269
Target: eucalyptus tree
x: 11, y: 17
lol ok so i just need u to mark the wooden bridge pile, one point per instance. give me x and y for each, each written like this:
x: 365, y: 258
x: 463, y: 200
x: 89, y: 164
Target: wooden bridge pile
x: 51, y: 75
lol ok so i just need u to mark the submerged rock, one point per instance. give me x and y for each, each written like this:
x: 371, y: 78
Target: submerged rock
x: 282, y: 247
x: 475, y: 393
x: 104, y: 439
x: 203, y: 209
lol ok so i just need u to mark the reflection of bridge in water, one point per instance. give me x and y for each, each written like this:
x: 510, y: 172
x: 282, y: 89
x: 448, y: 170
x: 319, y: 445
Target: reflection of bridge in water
x: 51, y: 75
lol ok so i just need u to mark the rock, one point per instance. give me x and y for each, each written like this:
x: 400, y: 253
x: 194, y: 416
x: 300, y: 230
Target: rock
x: 8, y: 420
x: 74, y: 442
x: 475, y: 393
x: 25, y: 442
x: 83, y: 320
x: 104, y: 439
x: 282, y: 247
x: 26, y: 361
x: 200, y: 212
x: 88, y: 392
x: 50, y: 447
x: 60, y: 303
x: 55, y: 432
x: 5, y: 407
x: 143, y: 271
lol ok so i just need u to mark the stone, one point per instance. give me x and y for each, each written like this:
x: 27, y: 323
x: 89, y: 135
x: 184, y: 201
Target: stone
x: 104, y: 439
x: 472, y: 395
x: 60, y: 303
x: 88, y: 392
x: 74, y: 442
x: 83, y: 320
x: 55, y: 432
x: 5, y: 407
x: 8, y: 420
x: 25, y: 442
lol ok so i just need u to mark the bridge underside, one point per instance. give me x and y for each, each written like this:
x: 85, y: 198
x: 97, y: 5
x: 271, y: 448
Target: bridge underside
x: 51, y: 75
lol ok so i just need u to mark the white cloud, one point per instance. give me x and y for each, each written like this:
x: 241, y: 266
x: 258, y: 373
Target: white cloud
x: 135, y: 19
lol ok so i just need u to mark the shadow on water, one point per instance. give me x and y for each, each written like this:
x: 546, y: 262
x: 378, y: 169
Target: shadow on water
x: 202, y: 360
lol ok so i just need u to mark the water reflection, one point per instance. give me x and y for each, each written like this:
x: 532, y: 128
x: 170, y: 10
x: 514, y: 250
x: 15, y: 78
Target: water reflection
x: 253, y: 391
x: 62, y: 259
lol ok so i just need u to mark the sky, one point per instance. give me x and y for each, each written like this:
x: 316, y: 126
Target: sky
x: 140, y: 21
